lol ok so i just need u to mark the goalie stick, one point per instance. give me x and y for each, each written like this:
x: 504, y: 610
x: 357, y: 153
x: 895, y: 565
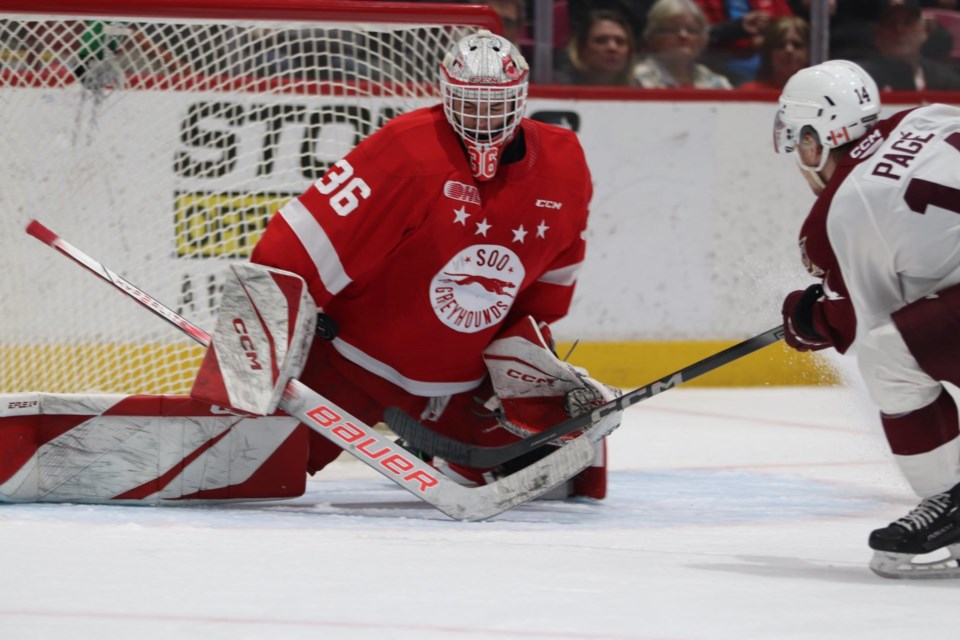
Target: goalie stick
x: 362, y: 441
x: 420, y: 437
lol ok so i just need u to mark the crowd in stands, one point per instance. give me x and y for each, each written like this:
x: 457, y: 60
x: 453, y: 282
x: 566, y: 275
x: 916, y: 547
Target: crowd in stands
x: 742, y: 44
x: 649, y: 44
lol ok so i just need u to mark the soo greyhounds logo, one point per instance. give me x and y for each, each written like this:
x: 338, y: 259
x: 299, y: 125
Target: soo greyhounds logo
x: 492, y: 285
x: 476, y: 288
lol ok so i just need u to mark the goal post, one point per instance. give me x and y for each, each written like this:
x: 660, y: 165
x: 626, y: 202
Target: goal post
x: 163, y: 134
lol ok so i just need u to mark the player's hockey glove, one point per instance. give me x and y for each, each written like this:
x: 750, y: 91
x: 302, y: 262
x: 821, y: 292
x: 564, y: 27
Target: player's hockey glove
x: 799, y: 321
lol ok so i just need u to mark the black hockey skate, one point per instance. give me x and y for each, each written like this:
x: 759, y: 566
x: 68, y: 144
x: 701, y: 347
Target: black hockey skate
x: 934, y: 524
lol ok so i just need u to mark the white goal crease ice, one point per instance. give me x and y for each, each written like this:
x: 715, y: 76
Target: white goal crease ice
x: 165, y: 143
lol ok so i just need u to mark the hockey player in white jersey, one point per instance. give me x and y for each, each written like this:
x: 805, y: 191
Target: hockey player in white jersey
x: 883, y: 239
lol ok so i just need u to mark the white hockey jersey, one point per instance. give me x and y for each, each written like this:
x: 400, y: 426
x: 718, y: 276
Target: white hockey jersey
x: 886, y: 230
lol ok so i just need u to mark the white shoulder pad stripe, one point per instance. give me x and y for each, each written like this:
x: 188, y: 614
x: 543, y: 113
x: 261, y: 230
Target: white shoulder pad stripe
x: 564, y: 276
x: 314, y: 239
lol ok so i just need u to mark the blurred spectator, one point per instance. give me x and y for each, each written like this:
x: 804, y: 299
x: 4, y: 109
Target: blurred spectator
x: 318, y: 53
x: 634, y: 10
x: 511, y: 14
x: 785, y: 50
x: 736, y: 32
x: 942, y: 25
x: 898, y: 62
x: 676, y: 35
x: 601, y: 52
x: 850, y: 25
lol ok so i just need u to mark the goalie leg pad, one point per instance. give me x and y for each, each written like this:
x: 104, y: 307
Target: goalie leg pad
x: 143, y: 450
x: 592, y: 481
x: 264, y: 329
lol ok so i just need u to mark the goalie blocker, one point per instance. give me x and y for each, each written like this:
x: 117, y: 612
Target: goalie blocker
x: 265, y: 325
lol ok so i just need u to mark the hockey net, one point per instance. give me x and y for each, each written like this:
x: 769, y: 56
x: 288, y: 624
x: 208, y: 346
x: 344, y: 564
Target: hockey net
x: 160, y: 137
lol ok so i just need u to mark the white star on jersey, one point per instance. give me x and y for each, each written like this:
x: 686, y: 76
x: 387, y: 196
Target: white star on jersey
x: 519, y: 234
x: 461, y: 216
x: 542, y: 229
x: 482, y: 228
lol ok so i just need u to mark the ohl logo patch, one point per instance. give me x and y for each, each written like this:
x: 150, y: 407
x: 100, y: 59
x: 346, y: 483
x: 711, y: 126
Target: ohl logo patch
x: 476, y: 288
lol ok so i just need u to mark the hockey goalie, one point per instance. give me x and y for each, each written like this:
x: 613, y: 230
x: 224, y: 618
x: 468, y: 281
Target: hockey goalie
x: 442, y: 246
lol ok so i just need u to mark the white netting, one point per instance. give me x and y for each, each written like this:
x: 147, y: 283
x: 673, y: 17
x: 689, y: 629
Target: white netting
x: 161, y: 147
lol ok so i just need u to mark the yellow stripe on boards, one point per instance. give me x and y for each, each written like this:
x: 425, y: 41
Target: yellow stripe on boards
x: 104, y: 368
x: 170, y: 369
x: 632, y: 364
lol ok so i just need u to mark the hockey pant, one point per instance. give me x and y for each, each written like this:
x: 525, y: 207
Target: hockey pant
x: 903, y: 363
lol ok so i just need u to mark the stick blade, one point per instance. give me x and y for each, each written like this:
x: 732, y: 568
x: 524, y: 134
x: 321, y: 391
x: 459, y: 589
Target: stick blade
x: 418, y: 436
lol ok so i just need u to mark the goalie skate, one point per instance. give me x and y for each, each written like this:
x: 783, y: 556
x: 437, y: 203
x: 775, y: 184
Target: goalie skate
x: 933, y: 526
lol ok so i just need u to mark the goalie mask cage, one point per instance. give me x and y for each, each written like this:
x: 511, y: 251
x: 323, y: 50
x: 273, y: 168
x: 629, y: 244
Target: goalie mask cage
x: 160, y: 136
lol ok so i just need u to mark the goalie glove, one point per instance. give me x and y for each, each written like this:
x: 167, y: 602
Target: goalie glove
x: 587, y: 398
x: 534, y: 389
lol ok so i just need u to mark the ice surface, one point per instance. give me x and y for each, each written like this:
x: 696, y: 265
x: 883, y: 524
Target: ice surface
x: 731, y: 514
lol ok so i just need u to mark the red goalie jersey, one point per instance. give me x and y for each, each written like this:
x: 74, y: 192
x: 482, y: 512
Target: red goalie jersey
x: 420, y: 264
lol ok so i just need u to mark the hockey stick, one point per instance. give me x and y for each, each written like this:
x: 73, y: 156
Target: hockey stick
x: 362, y: 441
x: 420, y: 437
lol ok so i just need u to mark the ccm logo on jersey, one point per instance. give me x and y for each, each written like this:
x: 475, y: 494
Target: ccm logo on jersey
x: 866, y: 146
x: 246, y: 343
x: 549, y: 204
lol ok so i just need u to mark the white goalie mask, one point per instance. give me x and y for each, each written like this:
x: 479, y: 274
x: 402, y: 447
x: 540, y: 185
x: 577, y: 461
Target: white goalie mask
x: 837, y: 99
x: 484, y: 85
